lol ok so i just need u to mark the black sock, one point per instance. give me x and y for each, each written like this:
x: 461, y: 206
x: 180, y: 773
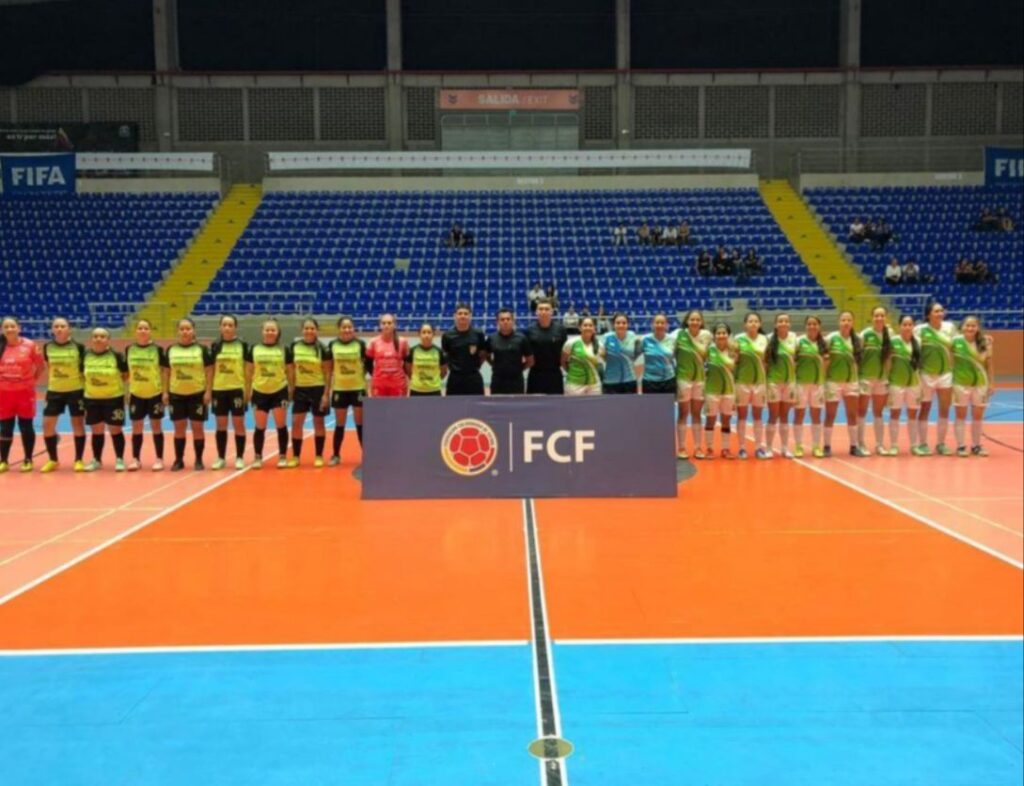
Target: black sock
x: 282, y: 441
x: 51, y: 446
x: 222, y: 443
x: 158, y: 444
x: 179, y: 450
x: 118, y: 441
x: 318, y: 444
x: 98, y: 441
x: 339, y: 437
x: 296, y: 447
x: 198, y: 445
x: 79, y: 446
x: 258, y: 436
x: 359, y: 433
x: 239, y: 444
x: 5, y: 449
x: 28, y: 437
x: 137, y: 445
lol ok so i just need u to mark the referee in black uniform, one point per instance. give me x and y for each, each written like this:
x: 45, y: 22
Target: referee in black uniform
x: 546, y: 338
x: 466, y: 348
x: 509, y: 354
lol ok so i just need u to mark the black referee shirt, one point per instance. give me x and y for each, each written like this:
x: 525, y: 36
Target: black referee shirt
x: 463, y: 350
x: 507, y: 354
x: 546, y: 344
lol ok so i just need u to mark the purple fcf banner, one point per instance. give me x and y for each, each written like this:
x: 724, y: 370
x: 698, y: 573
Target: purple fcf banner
x: 519, y: 446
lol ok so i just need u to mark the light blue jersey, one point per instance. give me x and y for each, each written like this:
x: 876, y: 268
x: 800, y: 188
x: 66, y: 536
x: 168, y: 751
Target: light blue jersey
x: 659, y: 357
x: 620, y: 355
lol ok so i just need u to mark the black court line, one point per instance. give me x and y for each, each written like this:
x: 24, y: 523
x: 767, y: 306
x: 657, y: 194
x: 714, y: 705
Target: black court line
x: 990, y: 438
x: 547, y: 699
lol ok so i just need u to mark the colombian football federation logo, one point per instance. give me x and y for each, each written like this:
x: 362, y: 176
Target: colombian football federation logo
x: 469, y: 447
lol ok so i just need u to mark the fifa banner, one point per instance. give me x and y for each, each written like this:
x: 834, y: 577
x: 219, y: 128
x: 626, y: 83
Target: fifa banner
x: 45, y: 175
x: 519, y: 446
x: 1004, y: 166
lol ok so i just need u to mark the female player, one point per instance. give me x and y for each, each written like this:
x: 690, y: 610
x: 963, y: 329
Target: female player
x: 876, y: 347
x: 781, y: 360
x: 720, y: 389
x: 64, y: 358
x: 904, y: 386
x: 232, y: 388
x: 21, y: 365
x: 657, y: 352
x: 312, y: 370
x: 751, y: 390
x: 347, y: 383
x: 146, y: 393
x: 692, y: 342
x: 188, y: 391
x: 272, y: 371
x: 426, y: 365
x: 619, y: 357
x: 811, y: 358
x: 972, y: 384
x: 844, y: 350
x: 388, y: 353
x: 106, y: 374
x: 935, y: 336
x: 583, y: 359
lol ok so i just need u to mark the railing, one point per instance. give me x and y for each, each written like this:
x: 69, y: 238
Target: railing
x: 916, y: 157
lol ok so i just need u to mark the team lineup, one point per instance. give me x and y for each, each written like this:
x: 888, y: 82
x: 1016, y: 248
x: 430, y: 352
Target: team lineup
x: 713, y: 374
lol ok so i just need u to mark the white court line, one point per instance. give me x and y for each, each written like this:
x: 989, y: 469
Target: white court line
x: 789, y: 640
x: 229, y: 648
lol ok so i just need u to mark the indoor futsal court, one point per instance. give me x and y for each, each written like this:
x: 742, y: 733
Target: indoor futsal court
x: 800, y: 622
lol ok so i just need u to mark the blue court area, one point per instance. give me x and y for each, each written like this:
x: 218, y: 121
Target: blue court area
x: 936, y: 713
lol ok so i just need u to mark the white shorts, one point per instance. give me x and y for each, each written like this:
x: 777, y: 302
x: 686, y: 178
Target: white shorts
x: 751, y: 394
x: 904, y: 397
x: 582, y: 390
x: 834, y: 391
x: 781, y: 392
x: 689, y: 391
x: 932, y: 382
x: 964, y: 396
x: 874, y: 387
x: 810, y: 395
x: 715, y: 404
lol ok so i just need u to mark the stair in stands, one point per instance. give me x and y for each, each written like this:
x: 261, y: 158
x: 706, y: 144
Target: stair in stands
x: 176, y: 296
x: 840, y: 279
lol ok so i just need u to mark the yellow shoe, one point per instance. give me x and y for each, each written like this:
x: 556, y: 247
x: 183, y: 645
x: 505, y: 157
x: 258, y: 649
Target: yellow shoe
x: 26, y: 466
x: 79, y: 466
x: 292, y: 463
x: 49, y: 466
x: 3, y: 467
x: 318, y: 462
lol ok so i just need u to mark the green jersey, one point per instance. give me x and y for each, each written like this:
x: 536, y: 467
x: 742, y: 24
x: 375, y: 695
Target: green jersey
x: 691, y: 352
x: 584, y: 362
x: 902, y: 373
x: 188, y: 368
x: 269, y: 367
x: 810, y: 363
x: 104, y: 374
x: 228, y: 365
x: 64, y: 363
x: 145, y: 368
x: 871, y: 365
x: 936, y: 348
x: 349, y: 365
x: 750, y: 363
x: 720, y: 380
x: 783, y: 369
x: 842, y: 363
x: 309, y: 364
x: 426, y: 365
x: 968, y: 364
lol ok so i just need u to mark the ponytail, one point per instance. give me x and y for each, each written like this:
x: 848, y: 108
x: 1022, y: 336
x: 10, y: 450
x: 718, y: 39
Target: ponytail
x: 886, y: 345
x: 915, y: 352
x: 772, y: 353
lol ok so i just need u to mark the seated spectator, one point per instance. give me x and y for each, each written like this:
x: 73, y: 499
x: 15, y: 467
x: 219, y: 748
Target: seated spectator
x: 982, y: 274
x: 988, y: 222
x: 893, y: 272
x: 643, y: 235
x: 552, y: 296
x: 704, y: 264
x: 911, y: 272
x: 619, y: 235
x: 683, y: 234
x: 857, y: 231
x: 753, y: 263
x: 881, y: 235
x: 656, y: 235
x: 964, y: 272
x: 604, y: 322
x: 1005, y: 222
x: 571, y: 321
x: 535, y: 294
x: 669, y: 236
x: 723, y: 264
x: 456, y: 237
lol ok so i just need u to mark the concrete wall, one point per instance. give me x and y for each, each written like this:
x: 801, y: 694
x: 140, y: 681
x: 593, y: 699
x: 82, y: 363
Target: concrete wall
x: 890, y: 179
x: 145, y: 185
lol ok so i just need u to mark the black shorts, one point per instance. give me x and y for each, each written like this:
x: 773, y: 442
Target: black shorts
x: 229, y: 402
x: 619, y: 387
x: 424, y: 393
x: 104, y: 410
x: 308, y: 400
x: 56, y: 403
x: 142, y: 408
x: 189, y: 407
x: 664, y: 386
x: 545, y: 382
x: 265, y: 402
x: 465, y: 384
x: 508, y: 386
x: 343, y: 399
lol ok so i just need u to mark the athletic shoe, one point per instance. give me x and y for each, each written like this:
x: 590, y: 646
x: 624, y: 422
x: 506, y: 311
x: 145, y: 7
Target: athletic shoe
x: 893, y: 451
x: 858, y: 452
x: 699, y: 454
x: 922, y: 450
x: 727, y: 454
x: 963, y: 452
x: 79, y: 466
x: 93, y: 466
x: 177, y: 466
x: 787, y: 454
x: 239, y: 463
x: 798, y: 451
x: 49, y: 466
x: 26, y: 466
x: 710, y: 455
x: 763, y: 453
x: 282, y: 463
x: 199, y: 466
x: 881, y: 451
x: 826, y: 452
x: 257, y: 463
x: 4, y: 467
x: 818, y: 452
x: 979, y: 451
x: 742, y: 454
x: 293, y: 462
x: 944, y: 450
x: 218, y: 464
x: 318, y: 462
x: 158, y: 466
x: 134, y: 465
x: 334, y: 461
x: 119, y: 465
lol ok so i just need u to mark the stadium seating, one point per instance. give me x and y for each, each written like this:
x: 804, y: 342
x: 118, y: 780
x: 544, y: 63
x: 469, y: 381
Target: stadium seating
x: 933, y: 225
x: 342, y: 249
x: 58, y: 255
